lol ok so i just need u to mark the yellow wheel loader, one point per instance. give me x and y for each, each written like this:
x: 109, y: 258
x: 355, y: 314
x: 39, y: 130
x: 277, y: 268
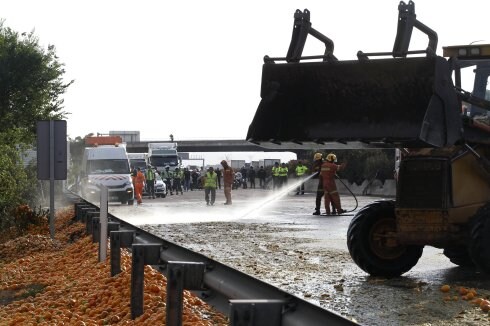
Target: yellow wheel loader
x: 412, y: 100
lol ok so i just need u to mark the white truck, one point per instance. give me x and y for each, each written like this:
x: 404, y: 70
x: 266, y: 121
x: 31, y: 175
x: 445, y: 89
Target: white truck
x: 163, y: 154
x: 105, y: 162
x: 138, y: 160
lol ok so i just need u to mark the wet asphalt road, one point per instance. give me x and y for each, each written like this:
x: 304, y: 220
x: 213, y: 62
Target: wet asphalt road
x: 339, y: 285
x: 265, y: 206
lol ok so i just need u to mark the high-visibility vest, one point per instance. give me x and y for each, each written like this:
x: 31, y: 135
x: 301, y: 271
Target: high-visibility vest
x: 283, y: 171
x: 275, y: 171
x: 150, y: 175
x: 300, y: 170
x: 210, y: 182
x: 167, y: 174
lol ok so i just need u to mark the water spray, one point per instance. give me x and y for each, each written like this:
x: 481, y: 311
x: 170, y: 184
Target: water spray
x: 290, y: 187
x: 277, y: 195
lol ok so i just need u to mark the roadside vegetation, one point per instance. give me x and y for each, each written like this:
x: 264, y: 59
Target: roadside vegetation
x: 31, y: 89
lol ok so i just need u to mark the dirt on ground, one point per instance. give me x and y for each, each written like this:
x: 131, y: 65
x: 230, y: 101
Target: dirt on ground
x: 328, y: 277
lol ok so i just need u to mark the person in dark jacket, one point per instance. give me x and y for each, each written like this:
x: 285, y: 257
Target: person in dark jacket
x: 218, y: 174
x: 317, y: 165
x: 251, y: 177
x: 261, y: 174
x: 187, y: 179
x: 244, y: 171
x: 195, y: 178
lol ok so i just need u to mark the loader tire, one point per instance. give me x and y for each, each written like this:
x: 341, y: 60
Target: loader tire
x: 372, y: 243
x: 459, y: 256
x: 479, y: 244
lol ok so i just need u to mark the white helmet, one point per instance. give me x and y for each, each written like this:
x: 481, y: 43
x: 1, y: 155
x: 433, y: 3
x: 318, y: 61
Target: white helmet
x: 332, y: 157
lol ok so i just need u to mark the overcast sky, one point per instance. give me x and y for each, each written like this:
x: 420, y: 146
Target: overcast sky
x: 193, y: 68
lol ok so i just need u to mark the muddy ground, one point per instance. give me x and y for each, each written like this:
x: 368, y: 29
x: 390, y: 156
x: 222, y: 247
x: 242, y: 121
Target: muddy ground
x: 307, y: 256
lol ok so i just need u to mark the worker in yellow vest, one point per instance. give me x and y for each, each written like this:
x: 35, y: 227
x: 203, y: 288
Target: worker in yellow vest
x: 210, y: 184
x: 300, y: 174
x: 275, y: 176
x: 283, y: 175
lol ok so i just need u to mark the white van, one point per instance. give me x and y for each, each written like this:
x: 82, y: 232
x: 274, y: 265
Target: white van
x: 106, y: 165
x: 138, y: 160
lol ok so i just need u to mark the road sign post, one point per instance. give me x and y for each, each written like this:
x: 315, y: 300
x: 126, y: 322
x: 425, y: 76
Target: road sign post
x: 51, y: 158
x: 104, y: 196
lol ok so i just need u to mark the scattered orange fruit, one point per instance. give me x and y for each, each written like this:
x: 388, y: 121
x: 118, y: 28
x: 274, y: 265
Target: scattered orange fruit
x: 68, y: 285
x: 485, y: 305
x: 463, y: 290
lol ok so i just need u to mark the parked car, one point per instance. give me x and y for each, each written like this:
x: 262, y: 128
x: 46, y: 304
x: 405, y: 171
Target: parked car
x: 160, y: 187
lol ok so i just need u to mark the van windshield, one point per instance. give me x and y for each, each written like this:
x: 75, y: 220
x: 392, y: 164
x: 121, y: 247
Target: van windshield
x: 162, y: 161
x: 138, y: 163
x: 111, y: 166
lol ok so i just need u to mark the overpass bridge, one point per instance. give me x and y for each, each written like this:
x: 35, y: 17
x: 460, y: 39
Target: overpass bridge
x: 229, y: 145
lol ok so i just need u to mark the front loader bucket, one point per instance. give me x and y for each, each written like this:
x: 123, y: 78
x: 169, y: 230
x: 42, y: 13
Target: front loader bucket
x: 407, y: 102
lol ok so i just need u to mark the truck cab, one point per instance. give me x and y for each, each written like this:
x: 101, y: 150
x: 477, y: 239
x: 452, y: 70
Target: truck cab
x: 105, y: 162
x: 161, y: 155
x: 138, y: 160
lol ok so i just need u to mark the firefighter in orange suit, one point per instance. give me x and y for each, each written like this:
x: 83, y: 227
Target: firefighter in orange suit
x: 139, y: 183
x: 328, y: 171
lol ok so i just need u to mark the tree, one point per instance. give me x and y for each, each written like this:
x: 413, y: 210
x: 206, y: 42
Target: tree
x: 14, y: 181
x: 31, y: 86
x: 31, y: 82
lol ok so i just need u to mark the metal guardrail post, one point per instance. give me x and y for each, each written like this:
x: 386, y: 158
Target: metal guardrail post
x: 142, y: 254
x: 77, y: 205
x: 78, y: 210
x: 85, y: 210
x: 95, y: 229
x: 256, y: 312
x: 111, y: 227
x: 119, y: 239
x: 75, y: 209
x: 180, y: 276
x: 88, y: 221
